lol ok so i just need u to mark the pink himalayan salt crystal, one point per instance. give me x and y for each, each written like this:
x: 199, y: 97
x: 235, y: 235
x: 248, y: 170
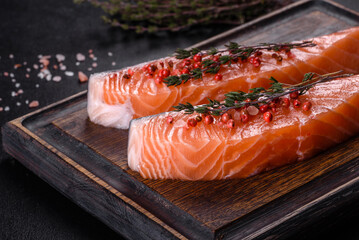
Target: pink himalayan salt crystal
x: 56, y: 78
x: 34, y: 104
x: 80, y: 57
x: 6, y: 74
x: 94, y: 65
x: 44, y: 61
x: 69, y: 73
x: 27, y: 75
x: 62, y: 67
x: 20, y: 91
x: 83, y: 77
x: 60, y: 57
x: 1, y: 109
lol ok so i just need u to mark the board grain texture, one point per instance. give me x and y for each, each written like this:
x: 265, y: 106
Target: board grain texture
x: 88, y: 162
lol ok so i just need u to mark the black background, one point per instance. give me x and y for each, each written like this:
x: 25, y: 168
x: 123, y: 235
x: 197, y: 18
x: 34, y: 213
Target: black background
x: 30, y: 208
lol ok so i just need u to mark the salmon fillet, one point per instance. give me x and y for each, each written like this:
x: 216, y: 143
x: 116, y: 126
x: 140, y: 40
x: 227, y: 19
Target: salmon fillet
x: 161, y: 150
x: 114, y: 98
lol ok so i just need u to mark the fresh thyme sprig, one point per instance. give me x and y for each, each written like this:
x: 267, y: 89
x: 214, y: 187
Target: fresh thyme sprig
x: 235, y: 48
x: 235, y: 51
x: 235, y: 100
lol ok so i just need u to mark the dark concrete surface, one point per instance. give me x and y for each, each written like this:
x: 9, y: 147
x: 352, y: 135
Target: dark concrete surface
x: 30, y: 208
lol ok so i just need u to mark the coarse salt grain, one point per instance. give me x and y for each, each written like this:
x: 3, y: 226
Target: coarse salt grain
x: 12, y: 75
x: 113, y: 63
x: 35, y: 66
x: 39, y: 56
x: 46, y: 71
x: 89, y: 69
x: 13, y: 94
x: 17, y: 85
x: 25, y: 63
x: 28, y: 69
x: 77, y: 63
x: 11, y: 56
x: 41, y: 75
x: 18, y: 104
x: 26, y: 101
x: 13, y: 80
x: 60, y: 57
x: 82, y: 77
x: 7, y: 108
x: 94, y: 65
x: 48, y: 77
x: 44, y: 61
x: 68, y: 73
x: 95, y: 58
x: 56, y: 78
x: 34, y: 104
x: 62, y: 67
x: 27, y: 75
x: 80, y: 57
x: 37, y: 85
x: 0, y: 99
x: 109, y: 54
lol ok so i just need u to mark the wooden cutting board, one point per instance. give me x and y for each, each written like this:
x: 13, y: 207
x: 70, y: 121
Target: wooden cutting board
x: 88, y: 162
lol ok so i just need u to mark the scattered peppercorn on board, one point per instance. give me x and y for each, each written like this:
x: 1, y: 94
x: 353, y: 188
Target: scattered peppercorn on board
x: 88, y: 162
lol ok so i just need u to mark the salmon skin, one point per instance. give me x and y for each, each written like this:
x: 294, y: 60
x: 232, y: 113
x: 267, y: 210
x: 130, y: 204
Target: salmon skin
x: 114, y: 98
x: 158, y: 149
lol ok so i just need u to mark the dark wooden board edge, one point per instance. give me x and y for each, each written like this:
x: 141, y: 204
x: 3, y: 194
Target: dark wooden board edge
x: 304, y: 206
x: 82, y: 187
x: 13, y: 138
x: 274, y: 16
x: 125, y: 183
x: 128, y: 186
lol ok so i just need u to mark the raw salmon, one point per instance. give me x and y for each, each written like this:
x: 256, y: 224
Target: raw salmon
x: 114, y: 98
x: 161, y: 150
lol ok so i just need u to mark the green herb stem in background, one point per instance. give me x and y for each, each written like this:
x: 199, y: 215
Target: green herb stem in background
x: 153, y: 15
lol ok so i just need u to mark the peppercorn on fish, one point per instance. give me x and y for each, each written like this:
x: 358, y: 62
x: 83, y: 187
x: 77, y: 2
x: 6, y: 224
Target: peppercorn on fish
x: 114, y: 98
x: 208, y: 150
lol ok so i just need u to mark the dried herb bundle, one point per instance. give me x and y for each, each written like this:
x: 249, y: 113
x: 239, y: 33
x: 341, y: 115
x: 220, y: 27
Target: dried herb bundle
x: 153, y: 15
